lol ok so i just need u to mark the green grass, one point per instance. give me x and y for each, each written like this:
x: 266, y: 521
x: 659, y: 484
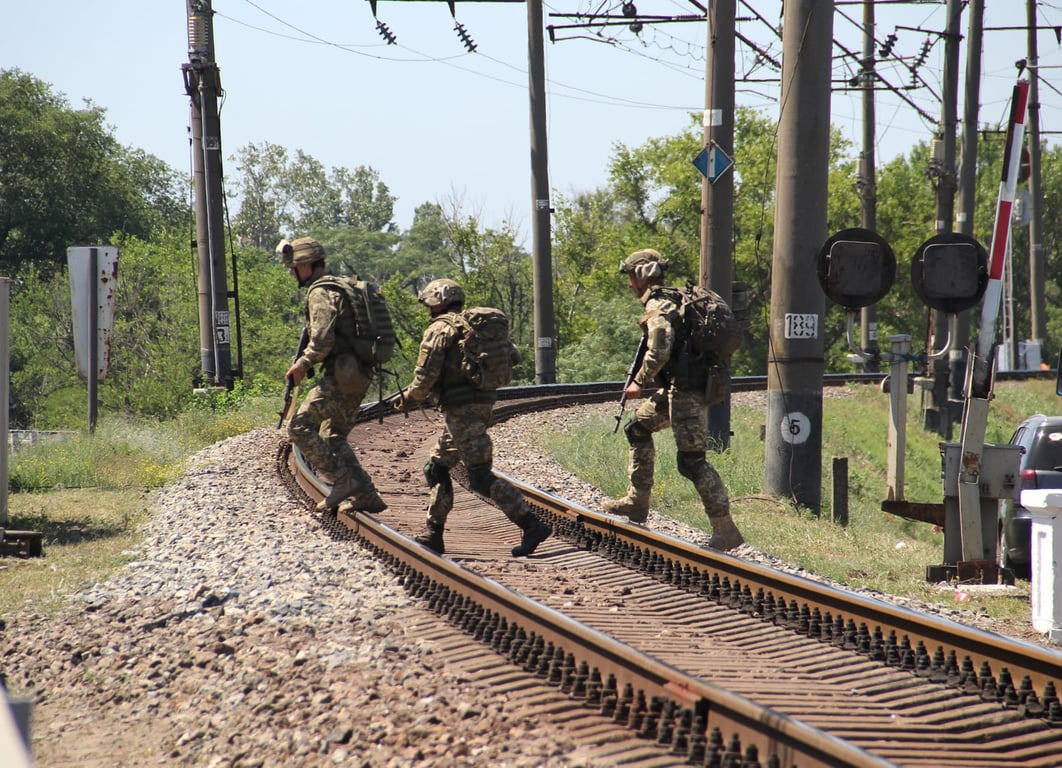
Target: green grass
x: 876, y: 550
x: 88, y: 494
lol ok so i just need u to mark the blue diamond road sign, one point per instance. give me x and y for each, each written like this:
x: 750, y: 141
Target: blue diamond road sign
x: 713, y: 162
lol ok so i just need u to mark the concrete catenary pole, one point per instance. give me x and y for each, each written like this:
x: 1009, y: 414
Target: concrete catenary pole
x: 936, y: 413
x: 202, y: 82
x: 968, y: 180
x: 795, y: 366
x: 868, y: 184
x: 542, y: 256
x: 1037, y: 261
x: 717, y: 197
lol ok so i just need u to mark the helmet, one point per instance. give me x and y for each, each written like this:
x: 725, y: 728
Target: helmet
x: 442, y: 292
x: 646, y: 263
x: 305, y: 250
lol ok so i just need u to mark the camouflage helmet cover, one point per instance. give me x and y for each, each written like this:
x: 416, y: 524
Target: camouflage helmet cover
x: 442, y: 292
x: 644, y: 263
x: 304, y: 250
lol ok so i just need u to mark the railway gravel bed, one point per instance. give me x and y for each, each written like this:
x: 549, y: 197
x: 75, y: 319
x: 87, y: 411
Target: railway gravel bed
x: 241, y: 636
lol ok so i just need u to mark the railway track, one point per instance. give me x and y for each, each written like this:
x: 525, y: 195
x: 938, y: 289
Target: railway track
x: 699, y: 657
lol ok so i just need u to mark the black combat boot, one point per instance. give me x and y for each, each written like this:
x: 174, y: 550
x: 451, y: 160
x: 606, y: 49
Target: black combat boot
x: 344, y: 487
x: 432, y: 537
x: 535, y: 532
x: 369, y: 502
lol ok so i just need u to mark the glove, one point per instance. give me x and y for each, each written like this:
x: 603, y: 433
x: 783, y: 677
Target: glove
x: 399, y: 403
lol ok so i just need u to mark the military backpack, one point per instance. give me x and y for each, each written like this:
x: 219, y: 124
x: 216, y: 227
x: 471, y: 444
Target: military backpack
x: 487, y: 353
x: 374, y: 336
x: 710, y: 325
x: 712, y: 335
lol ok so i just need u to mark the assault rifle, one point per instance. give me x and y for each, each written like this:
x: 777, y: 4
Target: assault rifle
x: 639, y: 355
x: 289, y: 393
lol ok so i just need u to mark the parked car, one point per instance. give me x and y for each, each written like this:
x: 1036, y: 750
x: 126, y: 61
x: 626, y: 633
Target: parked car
x: 1040, y: 437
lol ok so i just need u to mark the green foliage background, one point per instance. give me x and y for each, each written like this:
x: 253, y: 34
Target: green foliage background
x: 65, y: 180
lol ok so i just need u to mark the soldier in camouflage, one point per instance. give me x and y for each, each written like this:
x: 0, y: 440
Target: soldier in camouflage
x: 321, y: 425
x: 680, y: 403
x: 467, y: 411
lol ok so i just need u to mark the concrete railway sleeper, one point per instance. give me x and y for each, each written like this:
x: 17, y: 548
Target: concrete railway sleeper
x: 890, y: 685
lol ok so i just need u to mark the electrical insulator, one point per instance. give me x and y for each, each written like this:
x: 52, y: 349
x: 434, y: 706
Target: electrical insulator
x: 886, y: 50
x: 385, y: 33
x: 924, y: 53
x: 200, y: 30
x: 462, y: 33
x: 636, y: 27
x: 629, y: 10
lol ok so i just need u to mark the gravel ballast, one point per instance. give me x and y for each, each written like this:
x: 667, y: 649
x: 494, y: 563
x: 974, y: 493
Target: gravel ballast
x: 242, y: 635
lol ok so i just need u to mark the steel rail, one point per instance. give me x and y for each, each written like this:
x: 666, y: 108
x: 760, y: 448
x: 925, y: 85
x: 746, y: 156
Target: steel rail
x: 702, y: 707
x: 799, y: 597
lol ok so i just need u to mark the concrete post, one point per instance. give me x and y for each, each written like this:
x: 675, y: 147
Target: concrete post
x: 717, y: 198
x: 795, y: 366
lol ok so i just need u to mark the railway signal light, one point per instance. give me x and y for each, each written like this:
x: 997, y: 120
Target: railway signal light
x: 856, y: 268
x: 949, y: 272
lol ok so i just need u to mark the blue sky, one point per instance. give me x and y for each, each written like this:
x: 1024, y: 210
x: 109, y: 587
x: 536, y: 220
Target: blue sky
x: 443, y: 125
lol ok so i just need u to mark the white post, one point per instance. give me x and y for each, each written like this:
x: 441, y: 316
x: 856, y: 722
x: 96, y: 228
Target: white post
x: 899, y: 352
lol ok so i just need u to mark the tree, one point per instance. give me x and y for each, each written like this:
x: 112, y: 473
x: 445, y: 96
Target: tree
x: 281, y: 195
x: 494, y: 272
x: 266, y: 198
x: 65, y: 180
x: 423, y: 254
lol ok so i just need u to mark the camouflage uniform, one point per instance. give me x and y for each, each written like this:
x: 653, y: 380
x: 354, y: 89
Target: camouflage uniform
x: 680, y: 403
x: 468, y: 413
x: 326, y: 416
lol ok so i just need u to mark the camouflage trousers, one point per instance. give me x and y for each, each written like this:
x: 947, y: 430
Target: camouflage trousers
x: 687, y: 415
x: 320, y: 428
x: 465, y: 439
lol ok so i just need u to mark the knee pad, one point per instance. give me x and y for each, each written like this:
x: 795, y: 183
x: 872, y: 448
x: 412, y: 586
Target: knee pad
x: 436, y: 474
x: 690, y: 463
x: 480, y: 479
x: 636, y: 433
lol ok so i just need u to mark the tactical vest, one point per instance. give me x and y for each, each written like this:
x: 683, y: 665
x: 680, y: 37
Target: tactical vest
x: 346, y: 327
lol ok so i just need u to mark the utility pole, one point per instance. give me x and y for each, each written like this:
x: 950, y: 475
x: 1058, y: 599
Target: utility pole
x: 795, y: 365
x: 967, y: 184
x: 1037, y: 261
x: 936, y: 413
x: 868, y: 189
x: 542, y: 256
x: 717, y: 193
x: 202, y: 83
